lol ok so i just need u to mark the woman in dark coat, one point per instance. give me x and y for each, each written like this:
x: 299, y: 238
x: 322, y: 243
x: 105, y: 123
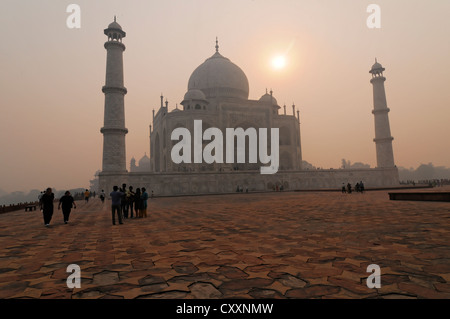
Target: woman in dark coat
x: 46, y: 204
x: 138, y: 203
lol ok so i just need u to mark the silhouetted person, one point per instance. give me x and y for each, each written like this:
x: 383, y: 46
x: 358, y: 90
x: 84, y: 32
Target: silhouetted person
x: 86, y: 195
x: 102, y: 196
x: 138, y: 203
x: 349, y: 188
x: 46, y: 205
x: 343, y: 189
x: 130, y: 201
x: 124, y: 203
x: 67, y: 203
x: 144, y: 198
x: 116, y: 198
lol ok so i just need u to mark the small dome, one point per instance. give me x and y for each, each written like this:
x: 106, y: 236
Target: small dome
x: 194, y: 94
x: 376, y: 68
x: 268, y: 99
x: 145, y: 160
x: 114, y: 25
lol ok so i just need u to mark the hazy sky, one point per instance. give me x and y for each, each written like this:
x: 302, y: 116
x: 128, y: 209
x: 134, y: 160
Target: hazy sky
x: 51, y: 76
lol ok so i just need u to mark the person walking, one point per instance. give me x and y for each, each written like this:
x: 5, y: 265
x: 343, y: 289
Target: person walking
x: 46, y: 205
x: 40, y: 196
x: 102, y: 196
x: 86, y: 195
x: 116, y: 198
x: 144, y: 199
x: 67, y: 203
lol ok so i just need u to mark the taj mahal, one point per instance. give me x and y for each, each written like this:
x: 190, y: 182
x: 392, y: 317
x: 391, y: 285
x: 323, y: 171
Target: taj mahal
x: 218, y: 96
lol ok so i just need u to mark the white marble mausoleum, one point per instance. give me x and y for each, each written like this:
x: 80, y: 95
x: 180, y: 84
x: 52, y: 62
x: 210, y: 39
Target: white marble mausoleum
x: 218, y: 96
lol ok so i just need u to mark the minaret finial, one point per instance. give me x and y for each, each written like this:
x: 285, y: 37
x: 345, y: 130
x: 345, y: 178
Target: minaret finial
x: 217, y: 44
x: 114, y: 18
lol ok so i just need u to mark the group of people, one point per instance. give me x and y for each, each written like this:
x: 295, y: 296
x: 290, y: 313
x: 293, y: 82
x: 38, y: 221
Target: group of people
x: 46, y: 201
x: 359, y: 188
x: 127, y: 203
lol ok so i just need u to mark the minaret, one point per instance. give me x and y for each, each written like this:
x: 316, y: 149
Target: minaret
x: 114, y: 131
x: 383, y: 138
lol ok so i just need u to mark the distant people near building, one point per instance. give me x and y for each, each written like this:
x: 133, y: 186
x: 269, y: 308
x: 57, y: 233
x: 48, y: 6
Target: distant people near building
x: 124, y: 203
x: 87, y: 194
x: 130, y: 201
x: 67, y: 202
x: 361, y: 187
x: 144, y: 198
x: 138, y: 203
x: 46, y: 205
x: 116, y: 200
x: 344, y: 190
x: 152, y: 194
x: 349, y: 188
x: 102, y: 196
x: 357, y: 187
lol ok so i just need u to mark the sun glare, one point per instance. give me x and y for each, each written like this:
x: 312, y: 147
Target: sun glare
x: 279, y: 62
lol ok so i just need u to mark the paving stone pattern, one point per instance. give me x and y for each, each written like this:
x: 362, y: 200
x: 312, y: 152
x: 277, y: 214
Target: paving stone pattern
x: 273, y: 245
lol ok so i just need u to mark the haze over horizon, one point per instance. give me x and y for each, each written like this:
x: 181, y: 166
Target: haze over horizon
x: 51, y: 79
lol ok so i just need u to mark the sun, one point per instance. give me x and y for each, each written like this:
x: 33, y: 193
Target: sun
x: 279, y: 62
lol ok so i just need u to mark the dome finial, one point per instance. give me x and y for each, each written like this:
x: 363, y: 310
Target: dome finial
x: 115, y: 18
x: 217, y: 44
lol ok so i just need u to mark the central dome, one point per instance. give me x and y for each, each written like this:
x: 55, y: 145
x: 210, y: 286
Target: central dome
x: 219, y: 77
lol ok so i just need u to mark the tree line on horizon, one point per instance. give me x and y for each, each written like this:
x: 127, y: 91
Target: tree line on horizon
x: 425, y: 172
x: 32, y: 196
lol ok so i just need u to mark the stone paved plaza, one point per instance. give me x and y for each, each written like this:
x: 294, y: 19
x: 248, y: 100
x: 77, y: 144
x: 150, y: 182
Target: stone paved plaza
x: 266, y: 245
